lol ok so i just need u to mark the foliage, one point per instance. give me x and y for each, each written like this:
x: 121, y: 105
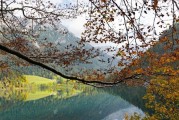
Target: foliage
x: 10, y: 79
x: 159, y: 68
x: 146, y: 34
x: 39, y: 87
x: 162, y: 84
x: 123, y: 22
x: 135, y: 116
x: 15, y: 95
x: 163, y: 97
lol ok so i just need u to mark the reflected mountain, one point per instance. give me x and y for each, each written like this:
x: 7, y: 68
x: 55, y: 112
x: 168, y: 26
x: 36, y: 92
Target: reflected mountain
x: 96, y: 105
x: 133, y: 94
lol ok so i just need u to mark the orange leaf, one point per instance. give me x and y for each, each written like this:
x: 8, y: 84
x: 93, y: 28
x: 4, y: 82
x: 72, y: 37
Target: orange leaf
x: 139, y: 70
x: 177, y: 20
x: 155, y: 3
x: 104, y: 1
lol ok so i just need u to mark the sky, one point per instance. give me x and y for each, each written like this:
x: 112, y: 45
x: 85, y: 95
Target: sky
x: 73, y: 25
x: 76, y: 26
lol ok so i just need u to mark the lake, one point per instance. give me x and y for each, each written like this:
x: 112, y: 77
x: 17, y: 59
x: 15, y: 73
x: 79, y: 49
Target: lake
x: 90, y: 104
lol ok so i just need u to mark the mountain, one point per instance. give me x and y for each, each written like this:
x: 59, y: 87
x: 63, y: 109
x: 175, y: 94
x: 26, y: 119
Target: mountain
x: 167, y: 44
x: 168, y: 39
x: 65, y: 46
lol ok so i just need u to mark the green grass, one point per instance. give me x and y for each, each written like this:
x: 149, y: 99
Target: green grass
x: 38, y: 95
x: 38, y: 80
x: 32, y: 91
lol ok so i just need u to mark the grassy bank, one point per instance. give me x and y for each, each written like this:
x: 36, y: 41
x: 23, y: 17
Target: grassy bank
x: 36, y: 87
x: 38, y: 80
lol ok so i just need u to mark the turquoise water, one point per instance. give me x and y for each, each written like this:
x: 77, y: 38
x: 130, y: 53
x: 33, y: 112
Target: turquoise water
x: 100, y: 104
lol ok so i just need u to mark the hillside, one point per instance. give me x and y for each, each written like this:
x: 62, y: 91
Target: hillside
x: 167, y: 44
x: 167, y: 39
x: 65, y: 48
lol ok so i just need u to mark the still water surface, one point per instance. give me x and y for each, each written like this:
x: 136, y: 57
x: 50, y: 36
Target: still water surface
x: 96, y: 104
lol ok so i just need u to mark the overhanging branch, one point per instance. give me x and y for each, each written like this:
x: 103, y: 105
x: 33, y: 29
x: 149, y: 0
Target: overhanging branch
x: 19, y: 55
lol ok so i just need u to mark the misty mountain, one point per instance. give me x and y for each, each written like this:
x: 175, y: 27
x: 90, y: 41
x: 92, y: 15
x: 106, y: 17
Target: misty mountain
x: 65, y: 42
x: 168, y: 42
x: 168, y: 39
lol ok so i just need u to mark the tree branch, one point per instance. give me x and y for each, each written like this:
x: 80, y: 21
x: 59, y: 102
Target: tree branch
x: 19, y: 55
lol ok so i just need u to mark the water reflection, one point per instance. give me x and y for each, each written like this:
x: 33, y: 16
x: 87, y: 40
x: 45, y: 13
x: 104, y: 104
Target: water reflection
x: 120, y: 114
x: 88, y: 104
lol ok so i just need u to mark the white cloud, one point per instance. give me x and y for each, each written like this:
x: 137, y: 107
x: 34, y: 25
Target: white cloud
x: 75, y: 25
x: 56, y: 1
